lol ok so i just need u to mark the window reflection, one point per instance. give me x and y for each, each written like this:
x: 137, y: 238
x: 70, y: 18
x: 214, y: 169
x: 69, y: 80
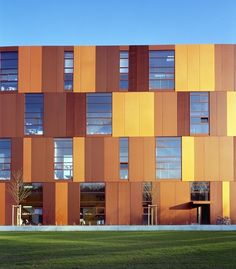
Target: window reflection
x: 68, y: 70
x: 200, y: 191
x: 124, y: 70
x: 124, y: 158
x: 5, y: 159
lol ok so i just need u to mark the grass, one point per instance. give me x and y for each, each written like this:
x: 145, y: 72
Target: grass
x: 113, y: 250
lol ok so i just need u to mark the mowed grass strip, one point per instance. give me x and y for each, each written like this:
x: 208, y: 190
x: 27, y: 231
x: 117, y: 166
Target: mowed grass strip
x: 103, y: 250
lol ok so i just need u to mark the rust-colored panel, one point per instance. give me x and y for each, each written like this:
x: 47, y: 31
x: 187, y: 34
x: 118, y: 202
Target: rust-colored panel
x: 233, y: 202
x: 136, y: 194
x: 61, y: 207
x: 55, y: 114
x: 24, y: 69
x: 183, y: 114
x: 8, y: 205
x: 169, y: 122
x: 218, y: 113
x: 112, y: 211
x: 73, y: 203
x: 70, y: 114
x: 156, y: 198
x: 79, y: 114
x: 27, y: 152
x: 224, y: 67
x: 149, y: 159
x: 216, y: 201
x: 138, y: 68
x: 2, y: 203
x: 17, y: 154
x: 94, y: 159
x: 49, y: 204
x: 124, y: 203
x: 136, y: 155
x: 42, y: 158
x: 226, y: 158
x: 111, y: 159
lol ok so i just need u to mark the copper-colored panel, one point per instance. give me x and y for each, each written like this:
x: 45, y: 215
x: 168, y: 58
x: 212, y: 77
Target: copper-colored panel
x: 156, y: 198
x: 211, y: 158
x: 218, y: 113
x: 233, y: 202
x: 27, y: 156
x: 136, y: 159
x: 234, y: 149
x: 138, y: 68
x: 101, y: 69
x: 124, y: 203
x: 70, y: 114
x: 78, y: 159
x: 94, y: 159
x: 2, y: 203
x: 49, y: 204
x: 17, y: 154
x: 73, y: 203
x: 136, y: 194
x: 61, y: 207
x: 112, y: 211
x: 42, y: 157
x: 79, y: 117
x: 216, y: 201
x: 55, y: 114
x: 149, y: 159
x: 24, y: 69
x: 199, y: 159
x: 36, y: 69
x: 8, y: 205
x: 183, y: 114
x: 226, y: 158
x: 111, y: 158
x: 169, y: 121
x: 158, y: 110
x: 224, y: 67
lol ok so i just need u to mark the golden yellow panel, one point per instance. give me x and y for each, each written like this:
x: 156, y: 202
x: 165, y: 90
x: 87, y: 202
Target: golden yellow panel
x: 226, y: 198
x: 79, y: 159
x: 146, y: 104
x: 84, y: 68
x: 132, y: 114
x: 207, y: 67
x: 27, y: 160
x: 187, y: 158
x: 231, y: 113
x: 193, y: 68
x: 181, y: 68
x: 118, y: 114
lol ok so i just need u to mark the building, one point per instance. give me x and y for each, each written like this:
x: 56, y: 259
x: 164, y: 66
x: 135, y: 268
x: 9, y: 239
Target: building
x: 102, y: 132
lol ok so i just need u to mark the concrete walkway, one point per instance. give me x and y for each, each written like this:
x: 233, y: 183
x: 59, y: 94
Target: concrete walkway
x: 118, y: 228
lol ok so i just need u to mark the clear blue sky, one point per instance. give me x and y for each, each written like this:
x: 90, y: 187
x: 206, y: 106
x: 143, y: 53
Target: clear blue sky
x: 85, y: 22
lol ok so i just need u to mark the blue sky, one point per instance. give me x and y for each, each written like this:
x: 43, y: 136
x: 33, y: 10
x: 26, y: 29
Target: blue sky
x: 98, y: 22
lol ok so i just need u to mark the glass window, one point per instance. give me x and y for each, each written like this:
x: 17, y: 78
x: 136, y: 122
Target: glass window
x: 200, y: 191
x: 8, y: 70
x: 68, y: 70
x: 92, y: 203
x: 124, y: 158
x: 161, y: 70
x: 34, y: 114
x: 5, y: 159
x: 63, y: 158
x: 124, y: 70
x: 99, y: 113
x: 199, y: 113
x: 168, y: 158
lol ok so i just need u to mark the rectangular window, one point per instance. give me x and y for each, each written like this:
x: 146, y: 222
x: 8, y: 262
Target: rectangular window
x: 92, y: 203
x: 161, y: 70
x: 99, y: 113
x: 199, y: 113
x: 68, y: 70
x: 63, y: 158
x: 34, y: 107
x: 5, y: 159
x: 8, y: 71
x: 168, y: 158
x: 200, y: 191
x: 124, y: 158
x: 124, y: 70
x: 147, y: 200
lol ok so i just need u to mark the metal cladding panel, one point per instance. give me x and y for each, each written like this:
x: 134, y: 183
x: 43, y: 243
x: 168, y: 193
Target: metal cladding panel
x: 73, y: 203
x: 183, y: 113
x: 233, y: 202
x: 136, y: 194
x: 211, y: 163
x: 61, y: 203
x: 224, y: 67
x: 193, y: 68
x: 187, y: 158
x: 112, y: 207
x: 226, y: 158
x: 27, y: 162
x: 49, y: 206
x: 216, y: 201
x: 17, y: 153
x: 2, y: 203
x: 124, y: 203
x: 226, y: 198
x: 79, y: 159
x: 136, y: 159
x: 231, y: 113
x: 118, y: 114
x: 181, y: 67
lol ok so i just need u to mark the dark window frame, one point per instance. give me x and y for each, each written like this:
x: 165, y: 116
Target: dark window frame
x: 9, y: 163
x: 124, y: 69
x: 69, y: 68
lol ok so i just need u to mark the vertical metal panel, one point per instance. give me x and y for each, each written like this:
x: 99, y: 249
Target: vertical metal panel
x: 17, y: 153
x: 226, y: 198
x: 124, y: 203
x: 101, y: 69
x: 187, y: 158
x: 233, y: 202
x: 146, y: 117
x: 211, y: 163
x: 49, y: 206
x: 79, y: 159
x: 136, y: 159
x: 132, y: 111
x: 216, y: 201
x: 24, y: 84
x: 169, y: 114
x: 118, y: 114
x: 183, y: 114
x: 199, y: 159
x: 226, y: 158
x: 158, y: 110
x: 111, y: 159
x: 73, y: 203
x: 2, y: 203
x: 112, y: 208
x: 181, y: 67
x: 193, y: 68
x: 149, y: 159
x: 231, y: 113
x: 27, y: 153
x: 61, y: 203
x: 136, y: 194
x: 79, y: 114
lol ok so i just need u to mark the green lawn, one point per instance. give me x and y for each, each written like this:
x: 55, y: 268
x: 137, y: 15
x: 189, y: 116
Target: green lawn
x: 111, y: 250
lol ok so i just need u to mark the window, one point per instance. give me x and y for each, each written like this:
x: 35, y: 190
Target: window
x: 147, y: 200
x: 33, y: 114
x: 92, y: 203
x: 124, y: 158
x: 161, y: 70
x: 63, y: 160
x: 8, y: 70
x: 200, y: 191
x: 5, y: 159
x: 99, y: 113
x: 124, y: 70
x: 68, y: 70
x: 168, y: 158
x: 199, y: 113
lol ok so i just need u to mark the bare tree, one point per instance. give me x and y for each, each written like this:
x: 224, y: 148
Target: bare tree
x: 150, y: 197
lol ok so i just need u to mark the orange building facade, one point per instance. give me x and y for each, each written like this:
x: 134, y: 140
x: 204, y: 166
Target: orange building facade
x: 102, y: 133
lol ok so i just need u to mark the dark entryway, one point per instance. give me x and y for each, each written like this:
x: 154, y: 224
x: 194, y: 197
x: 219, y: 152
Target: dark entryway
x: 203, y: 214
